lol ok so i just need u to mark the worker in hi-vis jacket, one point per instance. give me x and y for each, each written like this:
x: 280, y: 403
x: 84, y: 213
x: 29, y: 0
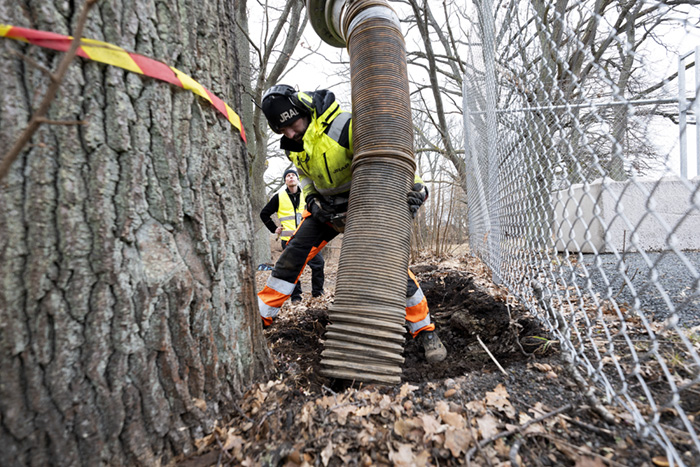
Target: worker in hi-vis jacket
x: 289, y: 204
x: 317, y: 138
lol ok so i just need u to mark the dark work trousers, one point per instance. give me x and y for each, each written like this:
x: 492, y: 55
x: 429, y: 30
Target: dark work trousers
x: 308, y: 240
x: 305, y: 245
x: 317, y: 276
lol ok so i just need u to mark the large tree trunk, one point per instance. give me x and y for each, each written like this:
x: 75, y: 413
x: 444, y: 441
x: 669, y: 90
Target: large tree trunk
x: 258, y: 200
x: 128, y: 320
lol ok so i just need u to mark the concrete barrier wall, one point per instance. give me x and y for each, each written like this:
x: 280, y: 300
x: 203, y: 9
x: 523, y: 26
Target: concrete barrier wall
x: 648, y: 215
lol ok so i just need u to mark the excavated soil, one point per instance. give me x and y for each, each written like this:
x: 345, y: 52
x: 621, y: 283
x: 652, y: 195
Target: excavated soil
x: 462, y: 312
x: 501, y: 397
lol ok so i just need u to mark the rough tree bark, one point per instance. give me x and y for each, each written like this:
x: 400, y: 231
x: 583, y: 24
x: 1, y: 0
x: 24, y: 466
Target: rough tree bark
x: 128, y: 320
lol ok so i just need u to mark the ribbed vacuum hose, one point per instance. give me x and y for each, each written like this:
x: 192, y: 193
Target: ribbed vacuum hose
x: 365, y: 340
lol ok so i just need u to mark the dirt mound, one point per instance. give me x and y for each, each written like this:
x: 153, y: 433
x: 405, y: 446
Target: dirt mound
x: 497, y: 398
x: 463, y: 314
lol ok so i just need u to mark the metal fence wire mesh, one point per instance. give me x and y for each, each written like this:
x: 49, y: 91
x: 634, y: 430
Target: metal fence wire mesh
x: 572, y: 132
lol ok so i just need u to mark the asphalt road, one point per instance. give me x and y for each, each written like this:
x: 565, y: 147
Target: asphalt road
x: 655, y: 279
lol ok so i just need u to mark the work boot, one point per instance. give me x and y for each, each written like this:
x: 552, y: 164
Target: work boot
x: 434, y: 350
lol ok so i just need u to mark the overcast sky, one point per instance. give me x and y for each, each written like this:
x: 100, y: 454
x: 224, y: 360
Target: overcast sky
x: 320, y: 69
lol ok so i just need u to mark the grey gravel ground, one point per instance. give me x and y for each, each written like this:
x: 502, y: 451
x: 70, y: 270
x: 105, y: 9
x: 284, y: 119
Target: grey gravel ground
x: 659, y: 281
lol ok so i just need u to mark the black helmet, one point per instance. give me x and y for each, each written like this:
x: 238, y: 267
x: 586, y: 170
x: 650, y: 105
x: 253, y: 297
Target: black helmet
x: 281, y: 106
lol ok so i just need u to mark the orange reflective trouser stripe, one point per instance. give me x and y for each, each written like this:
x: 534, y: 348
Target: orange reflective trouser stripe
x: 305, y: 244
x: 417, y: 312
x: 314, y: 251
x: 276, y: 291
x: 272, y: 296
x: 310, y: 238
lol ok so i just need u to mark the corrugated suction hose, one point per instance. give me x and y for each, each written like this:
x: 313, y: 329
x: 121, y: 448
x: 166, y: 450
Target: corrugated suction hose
x: 365, y: 340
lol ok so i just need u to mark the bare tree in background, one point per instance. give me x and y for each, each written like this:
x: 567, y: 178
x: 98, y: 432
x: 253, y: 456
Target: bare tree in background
x: 436, y: 71
x: 583, y: 50
x: 128, y: 320
x: 441, y: 224
x: 270, y: 56
x: 435, y: 74
x: 583, y: 46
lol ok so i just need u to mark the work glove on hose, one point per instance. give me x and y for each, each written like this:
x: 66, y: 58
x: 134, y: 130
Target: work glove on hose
x: 317, y: 211
x: 416, y: 197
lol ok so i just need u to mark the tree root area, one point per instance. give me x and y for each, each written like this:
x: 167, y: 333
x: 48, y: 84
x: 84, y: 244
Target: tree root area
x: 501, y: 397
x: 463, y: 314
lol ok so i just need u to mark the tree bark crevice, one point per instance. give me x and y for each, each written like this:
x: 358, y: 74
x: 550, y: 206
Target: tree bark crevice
x: 128, y: 316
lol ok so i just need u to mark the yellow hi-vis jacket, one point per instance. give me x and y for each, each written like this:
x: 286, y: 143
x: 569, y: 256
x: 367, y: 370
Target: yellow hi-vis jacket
x: 289, y: 216
x: 324, y: 164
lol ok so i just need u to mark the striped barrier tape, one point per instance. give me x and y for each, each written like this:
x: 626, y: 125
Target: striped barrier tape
x: 110, y: 54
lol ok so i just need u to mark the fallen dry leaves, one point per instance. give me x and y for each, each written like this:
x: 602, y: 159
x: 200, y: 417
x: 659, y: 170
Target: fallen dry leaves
x: 408, y: 425
x: 283, y: 423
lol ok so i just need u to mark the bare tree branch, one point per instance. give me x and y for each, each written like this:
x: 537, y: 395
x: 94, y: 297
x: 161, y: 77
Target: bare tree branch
x: 56, y: 79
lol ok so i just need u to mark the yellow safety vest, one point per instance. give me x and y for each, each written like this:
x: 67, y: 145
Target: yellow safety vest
x: 325, y: 166
x: 326, y: 163
x: 288, y: 216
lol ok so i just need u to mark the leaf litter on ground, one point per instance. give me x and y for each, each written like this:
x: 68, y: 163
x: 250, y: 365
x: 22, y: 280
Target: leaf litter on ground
x: 463, y: 411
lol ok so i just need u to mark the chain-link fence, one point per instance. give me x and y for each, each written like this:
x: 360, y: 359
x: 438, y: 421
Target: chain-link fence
x: 573, y: 129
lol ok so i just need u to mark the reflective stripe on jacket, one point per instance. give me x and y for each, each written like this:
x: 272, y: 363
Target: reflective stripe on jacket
x: 325, y: 165
x: 289, y: 216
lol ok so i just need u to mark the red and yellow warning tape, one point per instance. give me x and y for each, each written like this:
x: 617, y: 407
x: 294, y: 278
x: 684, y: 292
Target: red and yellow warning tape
x: 110, y: 54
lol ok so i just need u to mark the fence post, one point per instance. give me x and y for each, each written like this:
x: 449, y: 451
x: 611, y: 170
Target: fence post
x: 696, y: 110
x: 682, y: 115
x: 489, y: 51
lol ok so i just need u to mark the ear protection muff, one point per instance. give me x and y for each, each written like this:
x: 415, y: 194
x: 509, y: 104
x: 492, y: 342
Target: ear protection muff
x: 282, y: 90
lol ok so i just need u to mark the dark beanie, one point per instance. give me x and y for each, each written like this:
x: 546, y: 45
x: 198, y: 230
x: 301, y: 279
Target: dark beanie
x: 280, y: 112
x: 290, y: 171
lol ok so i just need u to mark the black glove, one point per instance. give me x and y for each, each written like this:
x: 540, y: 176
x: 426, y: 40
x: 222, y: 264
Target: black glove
x: 416, y: 197
x: 317, y: 211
